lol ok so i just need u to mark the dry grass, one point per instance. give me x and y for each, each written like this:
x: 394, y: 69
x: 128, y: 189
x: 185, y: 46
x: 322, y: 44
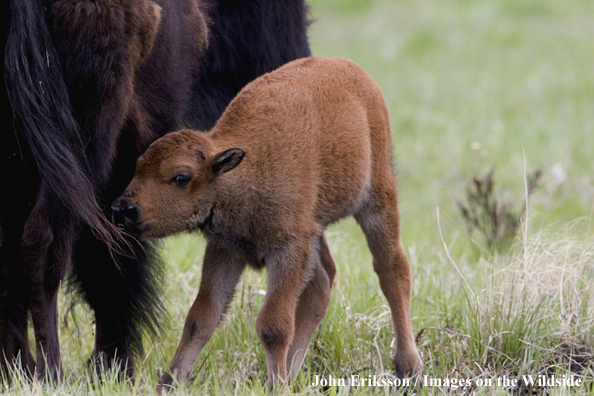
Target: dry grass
x: 533, y: 314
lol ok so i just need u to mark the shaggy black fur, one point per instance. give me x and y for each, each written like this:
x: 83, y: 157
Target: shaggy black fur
x: 247, y: 39
x: 88, y: 87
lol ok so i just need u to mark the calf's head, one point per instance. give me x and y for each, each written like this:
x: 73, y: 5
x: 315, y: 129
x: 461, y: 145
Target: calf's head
x: 175, y: 185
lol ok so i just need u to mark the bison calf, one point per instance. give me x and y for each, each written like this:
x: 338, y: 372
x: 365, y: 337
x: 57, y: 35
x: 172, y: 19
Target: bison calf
x: 295, y: 151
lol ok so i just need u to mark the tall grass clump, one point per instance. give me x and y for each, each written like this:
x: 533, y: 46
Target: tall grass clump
x: 536, y: 310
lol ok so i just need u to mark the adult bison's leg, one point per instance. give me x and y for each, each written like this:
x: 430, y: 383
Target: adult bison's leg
x: 124, y: 293
x: 47, y: 245
x: 14, y: 346
x: 15, y: 207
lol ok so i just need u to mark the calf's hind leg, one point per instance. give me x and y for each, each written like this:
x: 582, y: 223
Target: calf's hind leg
x: 312, y: 305
x: 380, y: 223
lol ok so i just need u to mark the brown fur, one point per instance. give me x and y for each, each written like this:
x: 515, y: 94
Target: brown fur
x: 316, y: 139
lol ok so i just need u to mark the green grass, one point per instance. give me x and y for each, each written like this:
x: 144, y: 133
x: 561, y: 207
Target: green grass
x: 471, y: 85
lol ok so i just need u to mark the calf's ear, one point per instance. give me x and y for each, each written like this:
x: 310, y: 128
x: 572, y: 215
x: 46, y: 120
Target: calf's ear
x: 226, y: 161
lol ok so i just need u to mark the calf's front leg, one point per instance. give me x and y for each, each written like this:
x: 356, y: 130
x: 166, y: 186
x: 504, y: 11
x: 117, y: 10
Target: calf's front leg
x: 221, y: 271
x: 312, y: 305
x: 289, y: 269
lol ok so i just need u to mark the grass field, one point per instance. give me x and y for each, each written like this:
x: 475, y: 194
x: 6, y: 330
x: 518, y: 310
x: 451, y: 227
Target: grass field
x: 471, y: 85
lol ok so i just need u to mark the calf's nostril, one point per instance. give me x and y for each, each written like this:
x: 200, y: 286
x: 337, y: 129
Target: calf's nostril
x: 130, y: 212
x: 117, y: 218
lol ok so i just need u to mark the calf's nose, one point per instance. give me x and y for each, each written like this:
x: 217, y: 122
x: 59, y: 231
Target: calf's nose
x: 125, y: 213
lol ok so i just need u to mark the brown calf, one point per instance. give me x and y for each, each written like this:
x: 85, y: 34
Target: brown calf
x: 295, y: 151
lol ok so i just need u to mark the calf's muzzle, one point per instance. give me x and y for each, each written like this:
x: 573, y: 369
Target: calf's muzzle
x: 125, y: 214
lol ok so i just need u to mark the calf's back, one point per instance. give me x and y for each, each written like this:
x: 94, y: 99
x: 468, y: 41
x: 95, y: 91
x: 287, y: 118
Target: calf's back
x: 313, y: 131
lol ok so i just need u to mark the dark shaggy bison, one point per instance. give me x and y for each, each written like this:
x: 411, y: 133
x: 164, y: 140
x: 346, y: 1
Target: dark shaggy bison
x: 296, y: 150
x: 89, y: 85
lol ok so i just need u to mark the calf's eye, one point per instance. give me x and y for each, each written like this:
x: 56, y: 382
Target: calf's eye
x: 181, y: 180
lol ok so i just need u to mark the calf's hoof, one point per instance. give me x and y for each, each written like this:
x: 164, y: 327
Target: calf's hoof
x: 165, y: 384
x: 408, y: 364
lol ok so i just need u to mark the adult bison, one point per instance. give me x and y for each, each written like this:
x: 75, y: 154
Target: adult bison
x: 89, y: 85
